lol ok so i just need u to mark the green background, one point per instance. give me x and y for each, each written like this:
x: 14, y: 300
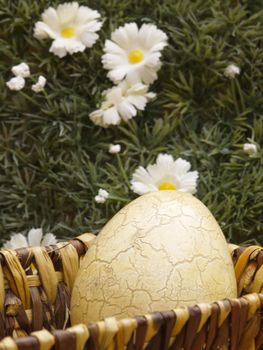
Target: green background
x: 53, y: 159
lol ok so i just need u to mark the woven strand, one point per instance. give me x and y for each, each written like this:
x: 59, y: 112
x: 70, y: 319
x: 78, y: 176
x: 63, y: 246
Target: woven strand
x: 228, y: 324
x: 70, y: 263
x: 126, y: 328
x: 8, y: 344
x: 206, y: 310
x: 107, y: 331
x: 243, y: 260
x: 16, y: 277
x: 82, y: 335
x: 2, y: 290
x: 46, y: 272
x: 46, y: 340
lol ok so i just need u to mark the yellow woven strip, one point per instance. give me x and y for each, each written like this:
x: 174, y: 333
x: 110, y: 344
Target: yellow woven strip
x: 243, y: 260
x: 182, y: 316
x: 82, y: 335
x: 87, y: 239
x: 225, y: 309
x: 246, y: 277
x: 126, y: 328
x: 205, y: 314
x: 151, y: 329
x: 47, y: 273
x: 70, y: 263
x: 253, y: 304
x: 16, y: 277
x: 107, y: 332
x: 8, y: 344
x: 257, y: 284
x: 46, y: 340
x: 34, y: 280
x: 2, y: 290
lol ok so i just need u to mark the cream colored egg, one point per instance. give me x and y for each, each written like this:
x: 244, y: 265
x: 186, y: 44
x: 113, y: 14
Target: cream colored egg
x: 162, y: 251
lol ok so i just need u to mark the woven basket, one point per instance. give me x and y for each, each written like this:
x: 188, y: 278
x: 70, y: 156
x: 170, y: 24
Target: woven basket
x: 35, y: 288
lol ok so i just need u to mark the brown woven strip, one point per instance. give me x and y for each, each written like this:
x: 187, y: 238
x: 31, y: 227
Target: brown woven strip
x: 212, y: 329
x: 2, y: 327
x: 93, y: 341
x: 37, y: 309
x: 235, y: 323
x: 140, y: 332
x: 62, y: 307
x: 64, y: 340
x: 170, y: 319
x: 259, y: 338
x: 179, y: 340
x: 27, y: 343
x: 243, y: 316
x: 192, y: 326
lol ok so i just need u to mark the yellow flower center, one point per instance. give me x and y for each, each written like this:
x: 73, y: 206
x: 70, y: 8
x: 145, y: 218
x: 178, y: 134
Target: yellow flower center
x: 167, y: 186
x: 68, y: 32
x: 136, y: 56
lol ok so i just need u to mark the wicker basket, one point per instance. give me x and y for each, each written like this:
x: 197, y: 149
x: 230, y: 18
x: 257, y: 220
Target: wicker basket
x: 36, y: 284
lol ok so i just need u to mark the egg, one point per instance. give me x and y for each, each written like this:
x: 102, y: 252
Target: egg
x: 162, y: 251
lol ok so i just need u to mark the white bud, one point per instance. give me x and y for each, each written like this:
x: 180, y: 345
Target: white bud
x: 250, y: 148
x: 40, y: 85
x: 231, y: 71
x: 101, y: 196
x: 21, y: 70
x: 16, y: 83
x: 114, y: 148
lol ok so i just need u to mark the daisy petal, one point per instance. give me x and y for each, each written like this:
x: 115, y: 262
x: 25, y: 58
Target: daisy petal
x: 181, y: 167
x: 134, y: 53
x: 49, y: 239
x: 165, y: 174
x: 73, y: 28
x: 51, y: 19
x: 35, y: 237
x: 67, y: 12
x: 17, y: 241
x: 111, y: 116
x: 43, y: 31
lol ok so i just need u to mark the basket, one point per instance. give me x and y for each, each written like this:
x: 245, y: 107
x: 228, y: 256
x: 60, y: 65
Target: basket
x: 36, y: 284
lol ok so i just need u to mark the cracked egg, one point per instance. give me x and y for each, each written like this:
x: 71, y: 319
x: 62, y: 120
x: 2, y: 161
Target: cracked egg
x: 162, y: 251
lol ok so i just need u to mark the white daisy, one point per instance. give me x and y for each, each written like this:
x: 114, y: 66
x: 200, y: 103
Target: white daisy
x: 231, y: 71
x: 101, y: 196
x: 113, y: 149
x: 72, y: 27
x: 16, y: 83
x: 134, y: 53
x: 250, y: 148
x: 21, y: 70
x: 34, y: 238
x: 40, y: 85
x: 121, y: 103
x: 166, y: 174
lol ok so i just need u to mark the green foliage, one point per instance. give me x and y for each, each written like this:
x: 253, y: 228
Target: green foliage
x: 53, y: 159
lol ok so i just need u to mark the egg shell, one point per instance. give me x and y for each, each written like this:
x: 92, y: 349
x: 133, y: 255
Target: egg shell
x: 162, y: 251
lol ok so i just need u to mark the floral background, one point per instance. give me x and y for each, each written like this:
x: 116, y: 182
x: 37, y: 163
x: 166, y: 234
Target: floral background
x: 54, y: 161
